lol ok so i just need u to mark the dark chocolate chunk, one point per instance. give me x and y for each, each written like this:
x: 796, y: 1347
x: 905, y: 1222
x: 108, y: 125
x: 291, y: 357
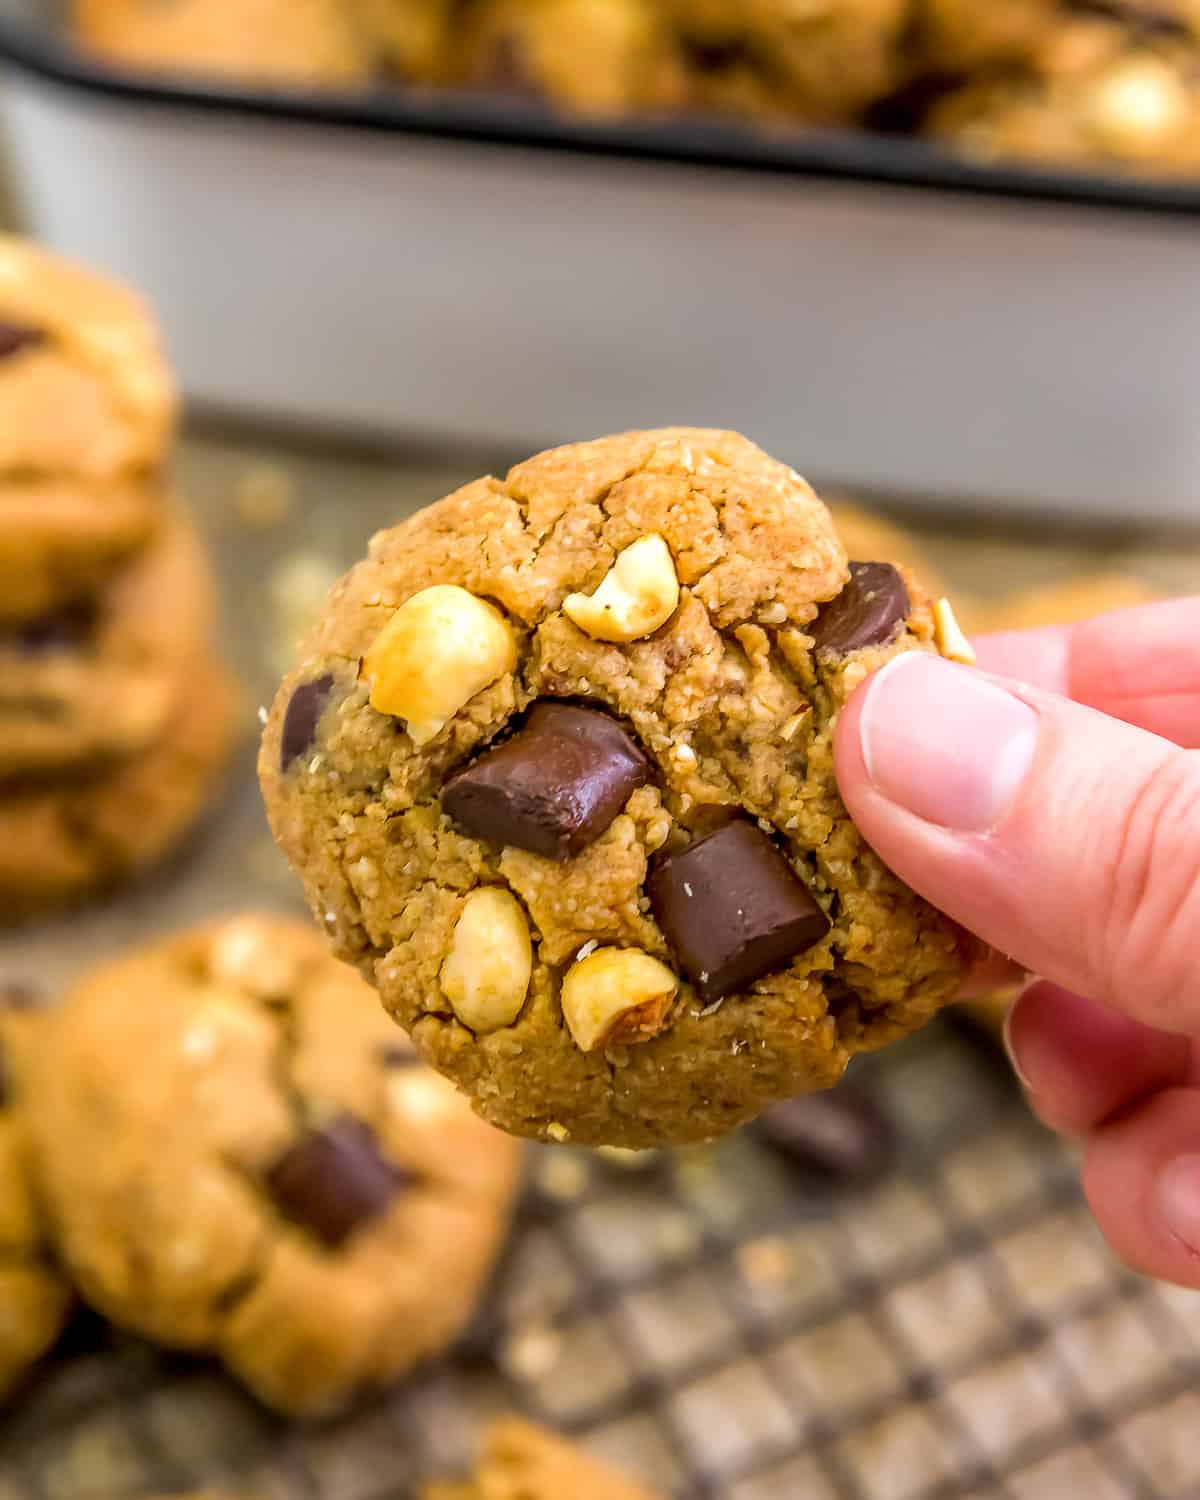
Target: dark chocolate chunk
x: 733, y: 909
x: 842, y: 1135
x: 554, y: 787
x: 308, y: 703
x: 869, y: 610
x: 335, y: 1180
x: 17, y: 336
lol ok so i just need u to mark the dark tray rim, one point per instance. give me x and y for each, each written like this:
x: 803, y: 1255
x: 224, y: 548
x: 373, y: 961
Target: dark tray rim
x: 847, y: 156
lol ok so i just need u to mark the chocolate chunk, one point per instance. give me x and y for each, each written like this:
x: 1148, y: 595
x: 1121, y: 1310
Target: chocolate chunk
x: 309, y: 702
x: 869, y: 610
x: 842, y: 1135
x: 554, y: 787
x: 733, y: 909
x: 335, y: 1180
x: 17, y: 336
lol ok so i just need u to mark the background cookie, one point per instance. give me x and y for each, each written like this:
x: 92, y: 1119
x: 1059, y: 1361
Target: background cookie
x: 34, y: 1298
x: 101, y: 678
x: 282, y: 1183
x: 645, y: 914
x: 522, y: 1462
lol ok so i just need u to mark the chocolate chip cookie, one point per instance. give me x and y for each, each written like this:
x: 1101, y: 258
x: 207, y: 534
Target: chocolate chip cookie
x: 282, y: 41
x: 281, y: 1183
x: 87, y: 411
x: 556, y: 770
x: 63, y: 839
x: 523, y: 1462
x: 100, y: 679
x: 34, y: 1298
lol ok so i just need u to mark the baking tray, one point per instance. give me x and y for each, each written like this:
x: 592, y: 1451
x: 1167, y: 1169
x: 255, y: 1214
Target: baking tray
x: 724, y: 1325
x: 876, y: 310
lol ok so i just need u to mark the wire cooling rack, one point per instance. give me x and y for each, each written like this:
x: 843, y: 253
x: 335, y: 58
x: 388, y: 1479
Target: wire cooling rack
x: 726, y: 1326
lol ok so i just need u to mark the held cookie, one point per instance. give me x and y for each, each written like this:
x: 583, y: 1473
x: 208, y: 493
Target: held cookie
x: 556, y: 770
x: 34, y: 1298
x: 522, y: 1462
x: 61, y: 840
x: 281, y: 1182
x: 99, y: 680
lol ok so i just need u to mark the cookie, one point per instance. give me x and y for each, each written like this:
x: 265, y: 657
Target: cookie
x: 272, y: 41
x: 1066, y: 603
x: 34, y: 1298
x: 592, y: 56
x: 556, y: 770
x: 60, y: 840
x: 1094, y: 92
x: 865, y: 533
x: 410, y: 39
x: 100, y: 679
x: 522, y: 1462
x: 282, y: 1183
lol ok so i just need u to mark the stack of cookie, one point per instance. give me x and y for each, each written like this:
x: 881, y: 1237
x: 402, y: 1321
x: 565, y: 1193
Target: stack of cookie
x: 115, y: 717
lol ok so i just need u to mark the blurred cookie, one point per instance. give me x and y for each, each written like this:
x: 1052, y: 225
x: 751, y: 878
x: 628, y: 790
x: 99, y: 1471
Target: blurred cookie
x: 411, y: 39
x: 1064, y: 603
x: 281, y: 1183
x: 100, y: 679
x: 272, y: 41
x: 60, y: 840
x: 522, y: 1462
x: 591, y: 56
x: 866, y: 534
x: 34, y: 1298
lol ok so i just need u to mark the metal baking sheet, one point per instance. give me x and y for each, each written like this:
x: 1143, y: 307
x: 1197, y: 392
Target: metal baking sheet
x: 720, y: 1324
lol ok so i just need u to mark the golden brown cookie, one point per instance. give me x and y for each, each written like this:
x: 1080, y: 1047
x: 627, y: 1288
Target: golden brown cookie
x: 556, y: 770
x: 411, y: 39
x: 34, y: 1298
x: 281, y: 1183
x: 593, y: 56
x: 866, y: 534
x: 63, y: 839
x: 273, y: 41
x: 522, y: 1462
x: 100, y: 679
x: 1065, y: 603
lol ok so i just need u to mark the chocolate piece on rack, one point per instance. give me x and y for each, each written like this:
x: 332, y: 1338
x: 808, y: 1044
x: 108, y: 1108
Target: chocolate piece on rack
x: 733, y: 909
x: 335, y: 1180
x: 871, y: 608
x: 554, y: 787
x: 841, y: 1135
x: 308, y: 703
x: 14, y: 337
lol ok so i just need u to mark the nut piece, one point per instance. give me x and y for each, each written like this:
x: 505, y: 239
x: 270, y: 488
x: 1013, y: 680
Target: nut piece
x: 616, y: 996
x: 486, y: 973
x: 639, y: 593
x: 437, y: 651
x: 951, y: 641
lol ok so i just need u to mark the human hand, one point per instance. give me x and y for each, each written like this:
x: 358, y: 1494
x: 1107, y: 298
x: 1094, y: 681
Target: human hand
x: 1053, y: 807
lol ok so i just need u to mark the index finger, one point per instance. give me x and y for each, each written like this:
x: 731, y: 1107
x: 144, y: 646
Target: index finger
x: 1141, y: 665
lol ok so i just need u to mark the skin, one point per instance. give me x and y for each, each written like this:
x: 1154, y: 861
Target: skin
x: 1081, y: 860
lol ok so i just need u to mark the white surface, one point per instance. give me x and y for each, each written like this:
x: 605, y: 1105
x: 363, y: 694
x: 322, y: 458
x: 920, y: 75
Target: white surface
x: 888, y: 337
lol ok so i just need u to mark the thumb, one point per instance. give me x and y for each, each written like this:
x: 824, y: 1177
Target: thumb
x: 1068, y: 840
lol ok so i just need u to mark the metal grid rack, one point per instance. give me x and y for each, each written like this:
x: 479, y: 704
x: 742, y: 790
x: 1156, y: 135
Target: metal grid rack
x: 727, y: 1327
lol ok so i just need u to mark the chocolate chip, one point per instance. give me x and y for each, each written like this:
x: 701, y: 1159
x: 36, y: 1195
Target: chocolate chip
x: 554, y: 787
x: 17, y: 336
x: 842, y: 1135
x: 733, y: 909
x: 335, y: 1180
x: 869, y: 610
x: 308, y: 703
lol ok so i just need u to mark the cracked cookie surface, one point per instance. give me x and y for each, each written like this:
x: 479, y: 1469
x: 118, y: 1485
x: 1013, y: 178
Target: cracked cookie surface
x: 34, y: 1297
x: 281, y: 1183
x: 519, y: 1461
x: 732, y: 699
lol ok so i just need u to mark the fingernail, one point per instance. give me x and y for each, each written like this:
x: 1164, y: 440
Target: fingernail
x: 1010, y: 1047
x: 947, y: 743
x: 1179, y: 1199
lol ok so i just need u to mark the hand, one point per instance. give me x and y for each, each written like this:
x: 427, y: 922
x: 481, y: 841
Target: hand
x: 1051, y: 803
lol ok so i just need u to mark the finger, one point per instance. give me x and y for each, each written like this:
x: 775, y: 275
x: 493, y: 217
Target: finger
x: 1141, y: 665
x: 1083, y: 1063
x: 1067, y: 840
x: 1142, y: 1179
